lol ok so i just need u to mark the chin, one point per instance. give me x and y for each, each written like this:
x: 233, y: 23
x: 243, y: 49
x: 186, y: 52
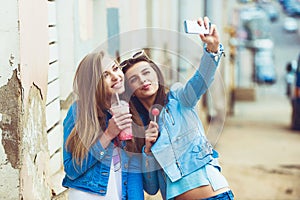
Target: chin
x: 120, y: 90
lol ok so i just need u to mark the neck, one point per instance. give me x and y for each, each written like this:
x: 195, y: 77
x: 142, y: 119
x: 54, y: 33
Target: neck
x: 148, y: 102
x: 111, y: 99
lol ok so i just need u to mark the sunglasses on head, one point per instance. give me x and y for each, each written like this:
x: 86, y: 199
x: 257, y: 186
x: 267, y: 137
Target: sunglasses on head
x: 138, y: 56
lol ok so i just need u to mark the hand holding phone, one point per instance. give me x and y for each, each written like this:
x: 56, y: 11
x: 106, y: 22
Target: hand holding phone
x: 192, y: 27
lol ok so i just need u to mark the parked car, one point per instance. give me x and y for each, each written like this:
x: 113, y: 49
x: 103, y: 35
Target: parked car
x: 270, y: 9
x: 291, y: 7
x: 255, y: 22
x: 264, y: 67
x: 296, y: 99
x: 290, y: 24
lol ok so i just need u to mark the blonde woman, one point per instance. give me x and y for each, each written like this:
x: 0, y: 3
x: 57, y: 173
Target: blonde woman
x: 98, y: 165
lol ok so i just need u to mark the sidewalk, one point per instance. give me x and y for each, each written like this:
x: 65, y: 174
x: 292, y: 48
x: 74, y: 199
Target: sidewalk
x: 259, y: 154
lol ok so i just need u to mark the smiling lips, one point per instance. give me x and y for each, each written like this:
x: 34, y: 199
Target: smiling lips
x: 117, y: 85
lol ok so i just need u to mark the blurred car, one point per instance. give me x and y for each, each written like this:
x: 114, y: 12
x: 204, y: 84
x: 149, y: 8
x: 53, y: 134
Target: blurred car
x: 244, y: 1
x: 291, y: 7
x: 255, y: 22
x: 296, y: 99
x: 270, y: 9
x: 263, y: 1
x: 263, y: 44
x: 264, y: 68
x: 281, y: 1
x: 290, y: 24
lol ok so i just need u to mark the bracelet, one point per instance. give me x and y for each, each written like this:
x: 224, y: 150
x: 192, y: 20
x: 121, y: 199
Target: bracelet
x: 210, y: 51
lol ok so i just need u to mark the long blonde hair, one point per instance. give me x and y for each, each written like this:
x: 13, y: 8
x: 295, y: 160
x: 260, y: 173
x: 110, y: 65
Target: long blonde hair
x: 92, y: 106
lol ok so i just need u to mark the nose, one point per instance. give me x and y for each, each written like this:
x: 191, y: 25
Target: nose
x: 114, y: 76
x: 142, y: 79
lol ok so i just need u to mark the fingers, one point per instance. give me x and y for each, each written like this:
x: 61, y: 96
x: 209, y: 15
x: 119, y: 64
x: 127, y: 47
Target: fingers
x: 200, y: 22
x: 117, y: 123
x: 212, y: 29
x: 150, y: 138
x: 151, y: 133
x: 204, y: 22
x: 122, y: 121
x: 212, y: 39
x: 153, y: 124
x: 122, y: 117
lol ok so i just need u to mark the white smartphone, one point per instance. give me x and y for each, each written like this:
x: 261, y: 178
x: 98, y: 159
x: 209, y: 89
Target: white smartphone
x: 192, y: 27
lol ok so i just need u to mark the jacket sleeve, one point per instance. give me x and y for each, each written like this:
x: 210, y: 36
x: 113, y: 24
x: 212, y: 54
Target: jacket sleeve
x: 135, y: 190
x: 190, y: 94
x: 150, y: 169
x: 135, y: 179
x: 96, y: 153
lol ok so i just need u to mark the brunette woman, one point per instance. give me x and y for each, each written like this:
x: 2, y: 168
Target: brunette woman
x: 178, y: 158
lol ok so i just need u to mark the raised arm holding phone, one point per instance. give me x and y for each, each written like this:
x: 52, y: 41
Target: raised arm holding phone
x: 177, y: 157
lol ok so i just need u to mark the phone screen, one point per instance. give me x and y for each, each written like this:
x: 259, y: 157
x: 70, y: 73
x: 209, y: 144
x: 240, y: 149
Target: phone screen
x: 192, y: 27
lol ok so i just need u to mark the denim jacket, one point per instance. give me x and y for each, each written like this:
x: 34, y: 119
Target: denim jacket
x: 182, y: 146
x: 94, y: 173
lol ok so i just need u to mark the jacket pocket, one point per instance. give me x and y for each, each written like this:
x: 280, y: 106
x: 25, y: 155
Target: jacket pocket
x: 184, y: 141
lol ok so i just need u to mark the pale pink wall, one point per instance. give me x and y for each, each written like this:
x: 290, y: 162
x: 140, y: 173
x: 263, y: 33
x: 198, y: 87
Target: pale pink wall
x: 34, y: 63
x: 34, y: 47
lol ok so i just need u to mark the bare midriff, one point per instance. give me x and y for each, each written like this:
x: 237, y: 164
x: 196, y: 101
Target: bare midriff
x: 201, y: 193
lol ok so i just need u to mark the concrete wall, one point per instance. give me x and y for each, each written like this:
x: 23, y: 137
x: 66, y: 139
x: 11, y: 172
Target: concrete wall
x: 10, y: 130
x: 10, y: 101
x: 34, y: 57
x: 23, y: 146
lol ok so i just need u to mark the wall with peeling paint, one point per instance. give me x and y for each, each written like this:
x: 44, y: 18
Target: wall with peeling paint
x: 34, y: 46
x: 10, y: 101
x: 34, y: 176
x: 9, y: 43
x: 23, y: 85
x: 10, y: 128
x: 24, y: 38
x: 34, y: 63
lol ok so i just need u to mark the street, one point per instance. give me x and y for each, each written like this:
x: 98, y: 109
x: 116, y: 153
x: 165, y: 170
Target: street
x: 259, y: 153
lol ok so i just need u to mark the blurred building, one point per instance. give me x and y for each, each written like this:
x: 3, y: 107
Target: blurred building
x: 41, y: 47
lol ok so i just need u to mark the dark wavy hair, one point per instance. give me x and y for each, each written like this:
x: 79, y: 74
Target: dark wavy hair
x: 141, y: 56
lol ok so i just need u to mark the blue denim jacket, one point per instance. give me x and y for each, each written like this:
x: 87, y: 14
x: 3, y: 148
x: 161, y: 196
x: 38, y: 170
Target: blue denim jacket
x: 93, y: 175
x: 182, y: 146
